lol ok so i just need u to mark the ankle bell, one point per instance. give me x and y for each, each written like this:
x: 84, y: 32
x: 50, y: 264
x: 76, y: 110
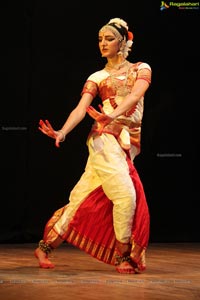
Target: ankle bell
x: 45, y: 247
x: 120, y: 259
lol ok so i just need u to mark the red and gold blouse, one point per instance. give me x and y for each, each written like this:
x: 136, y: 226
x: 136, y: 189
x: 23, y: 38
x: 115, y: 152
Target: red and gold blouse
x: 112, y: 89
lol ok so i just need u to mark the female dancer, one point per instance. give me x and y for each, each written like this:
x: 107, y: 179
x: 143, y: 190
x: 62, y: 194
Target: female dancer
x: 107, y: 214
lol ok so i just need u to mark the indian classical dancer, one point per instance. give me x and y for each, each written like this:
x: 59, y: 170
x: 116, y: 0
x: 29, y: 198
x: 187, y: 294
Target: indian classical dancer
x: 106, y: 214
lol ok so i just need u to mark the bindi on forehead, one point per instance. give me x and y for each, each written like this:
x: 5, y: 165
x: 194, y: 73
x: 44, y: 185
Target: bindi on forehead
x: 106, y: 33
x: 106, y: 36
x: 111, y: 31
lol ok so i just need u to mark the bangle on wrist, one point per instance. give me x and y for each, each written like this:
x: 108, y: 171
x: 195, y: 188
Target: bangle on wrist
x: 63, y: 138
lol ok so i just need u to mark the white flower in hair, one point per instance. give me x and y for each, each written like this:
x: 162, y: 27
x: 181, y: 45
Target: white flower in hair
x: 127, y: 48
x: 120, y: 22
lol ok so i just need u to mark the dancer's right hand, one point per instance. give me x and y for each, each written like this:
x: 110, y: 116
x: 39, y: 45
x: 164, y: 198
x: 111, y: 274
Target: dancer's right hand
x: 46, y: 128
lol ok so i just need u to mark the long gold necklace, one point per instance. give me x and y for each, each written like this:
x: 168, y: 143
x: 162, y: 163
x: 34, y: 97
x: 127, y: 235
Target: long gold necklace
x: 121, y: 89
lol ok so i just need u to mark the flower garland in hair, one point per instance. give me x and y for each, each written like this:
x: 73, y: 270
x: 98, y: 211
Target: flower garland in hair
x: 119, y: 22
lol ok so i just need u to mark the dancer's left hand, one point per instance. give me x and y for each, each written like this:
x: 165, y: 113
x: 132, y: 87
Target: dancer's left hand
x: 101, y: 118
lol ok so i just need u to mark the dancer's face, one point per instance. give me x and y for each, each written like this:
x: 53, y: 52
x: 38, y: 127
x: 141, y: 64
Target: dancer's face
x: 109, y: 44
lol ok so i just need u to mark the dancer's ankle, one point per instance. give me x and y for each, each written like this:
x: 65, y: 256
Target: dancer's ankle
x: 44, y: 247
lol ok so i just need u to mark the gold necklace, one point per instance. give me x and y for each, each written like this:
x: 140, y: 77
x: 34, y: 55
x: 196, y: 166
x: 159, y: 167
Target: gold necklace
x: 110, y: 66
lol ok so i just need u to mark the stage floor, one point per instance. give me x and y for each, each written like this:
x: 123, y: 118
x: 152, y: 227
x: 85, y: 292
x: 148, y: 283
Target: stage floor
x: 173, y: 272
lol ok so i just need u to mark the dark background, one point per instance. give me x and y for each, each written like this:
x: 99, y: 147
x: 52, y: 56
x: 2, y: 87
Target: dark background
x: 48, y: 49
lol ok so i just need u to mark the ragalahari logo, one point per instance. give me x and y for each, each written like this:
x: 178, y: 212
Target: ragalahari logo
x: 164, y: 5
x: 179, y: 5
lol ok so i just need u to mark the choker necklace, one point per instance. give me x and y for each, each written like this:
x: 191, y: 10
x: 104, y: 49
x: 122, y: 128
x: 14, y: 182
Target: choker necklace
x: 117, y: 66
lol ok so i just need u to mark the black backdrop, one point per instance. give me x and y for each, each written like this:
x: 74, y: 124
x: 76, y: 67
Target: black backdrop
x: 48, y: 48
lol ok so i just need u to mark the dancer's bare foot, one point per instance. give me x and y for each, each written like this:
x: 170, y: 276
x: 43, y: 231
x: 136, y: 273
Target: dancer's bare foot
x: 125, y: 268
x: 42, y: 257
